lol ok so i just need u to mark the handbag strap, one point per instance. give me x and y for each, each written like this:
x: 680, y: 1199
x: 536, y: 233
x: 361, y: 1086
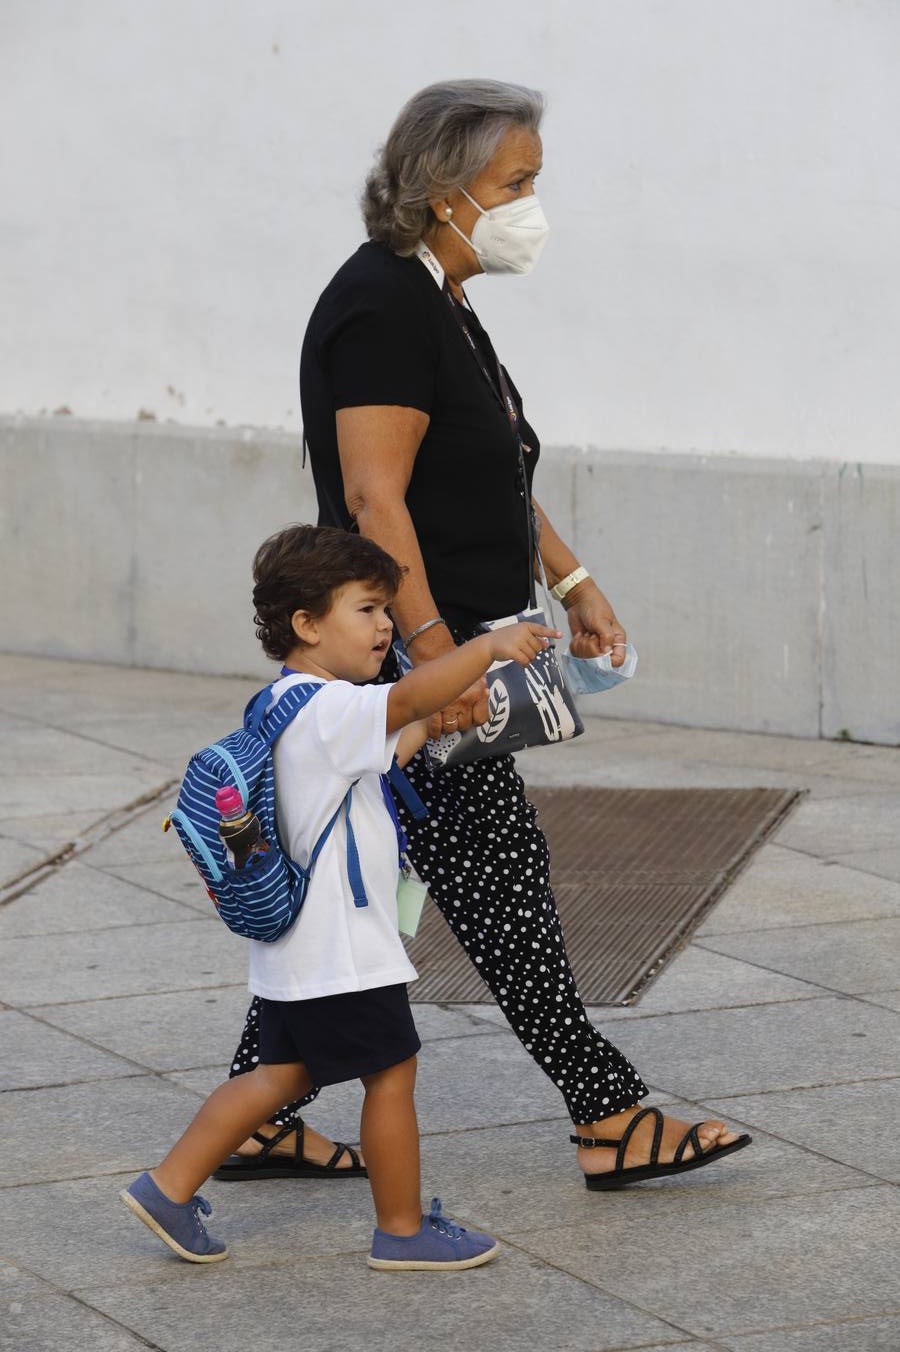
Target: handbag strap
x: 503, y: 394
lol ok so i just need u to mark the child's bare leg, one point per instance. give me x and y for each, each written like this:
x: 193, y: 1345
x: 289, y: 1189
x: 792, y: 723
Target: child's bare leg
x: 389, y: 1134
x: 227, y: 1118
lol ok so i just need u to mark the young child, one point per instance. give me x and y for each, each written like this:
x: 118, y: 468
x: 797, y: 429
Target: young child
x: 334, y: 1004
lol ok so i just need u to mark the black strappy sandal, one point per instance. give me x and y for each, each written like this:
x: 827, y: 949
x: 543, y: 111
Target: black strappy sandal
x: 619, y: 1176
x: 269, y: 1165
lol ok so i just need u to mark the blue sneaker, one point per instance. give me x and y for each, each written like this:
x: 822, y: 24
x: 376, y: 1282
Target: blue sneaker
x: 439, y: 1245
x: 178, y: 1224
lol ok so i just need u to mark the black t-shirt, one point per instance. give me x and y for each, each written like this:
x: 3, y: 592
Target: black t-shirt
x: 383, y: 332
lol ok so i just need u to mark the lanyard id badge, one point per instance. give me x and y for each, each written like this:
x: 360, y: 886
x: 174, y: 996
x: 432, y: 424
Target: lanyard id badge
x: 411, y: 891
x: 411, y: 894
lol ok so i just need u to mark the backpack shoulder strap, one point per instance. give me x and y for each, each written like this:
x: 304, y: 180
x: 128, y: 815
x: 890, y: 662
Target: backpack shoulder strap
x: 354, y: 870
x: 267, y: 720
x: 405, y: 791
x: 256, y: 708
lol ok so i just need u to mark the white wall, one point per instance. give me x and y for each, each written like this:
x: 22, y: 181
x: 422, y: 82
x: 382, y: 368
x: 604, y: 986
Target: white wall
x: 131, y: 543
x: 180, y: 178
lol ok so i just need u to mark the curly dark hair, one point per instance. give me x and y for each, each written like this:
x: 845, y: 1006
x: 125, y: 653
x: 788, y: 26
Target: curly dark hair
x: 301, y: 567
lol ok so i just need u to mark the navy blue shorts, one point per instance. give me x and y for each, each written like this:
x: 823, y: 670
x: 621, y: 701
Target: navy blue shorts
x: 339, y: 1037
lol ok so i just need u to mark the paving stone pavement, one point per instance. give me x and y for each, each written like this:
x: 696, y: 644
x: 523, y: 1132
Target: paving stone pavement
x: 121, y: 998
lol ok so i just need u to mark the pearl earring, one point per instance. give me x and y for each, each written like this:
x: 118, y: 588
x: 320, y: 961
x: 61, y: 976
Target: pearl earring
x: 448, y: 211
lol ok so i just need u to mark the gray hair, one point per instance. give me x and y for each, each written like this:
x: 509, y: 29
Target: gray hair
x: 440, y: 141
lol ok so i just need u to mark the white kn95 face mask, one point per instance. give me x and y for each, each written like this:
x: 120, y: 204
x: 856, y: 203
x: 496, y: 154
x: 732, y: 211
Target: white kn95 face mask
x: 508, y: 238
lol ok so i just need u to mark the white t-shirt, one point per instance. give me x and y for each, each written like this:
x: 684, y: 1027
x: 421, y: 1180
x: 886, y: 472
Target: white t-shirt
x: 334, y: 946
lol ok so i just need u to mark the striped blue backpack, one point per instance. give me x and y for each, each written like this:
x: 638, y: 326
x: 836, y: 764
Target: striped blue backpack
x: 263, y: 899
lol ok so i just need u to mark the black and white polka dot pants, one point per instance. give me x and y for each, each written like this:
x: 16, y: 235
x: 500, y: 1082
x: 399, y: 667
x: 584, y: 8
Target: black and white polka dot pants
x: 487, y: 867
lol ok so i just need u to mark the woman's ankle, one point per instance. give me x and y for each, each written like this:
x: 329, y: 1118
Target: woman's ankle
x: 602, y: 1127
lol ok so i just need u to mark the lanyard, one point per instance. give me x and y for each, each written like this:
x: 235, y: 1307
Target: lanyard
x: 501, y: 391
x: 402, y: 842
x: 500, y: 386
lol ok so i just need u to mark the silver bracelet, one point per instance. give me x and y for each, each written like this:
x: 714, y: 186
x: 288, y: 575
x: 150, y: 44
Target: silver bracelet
x: 429, y: 624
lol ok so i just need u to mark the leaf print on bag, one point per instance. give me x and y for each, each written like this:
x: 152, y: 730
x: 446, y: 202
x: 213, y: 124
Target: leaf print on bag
x: 498, y: 713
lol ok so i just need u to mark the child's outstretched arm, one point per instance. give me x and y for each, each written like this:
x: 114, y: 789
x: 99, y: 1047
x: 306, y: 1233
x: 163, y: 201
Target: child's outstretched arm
x: 432, y: 686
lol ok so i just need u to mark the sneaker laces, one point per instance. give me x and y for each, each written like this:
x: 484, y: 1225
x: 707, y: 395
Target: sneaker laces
x: 440, y: 1222
x: 198, y: 1203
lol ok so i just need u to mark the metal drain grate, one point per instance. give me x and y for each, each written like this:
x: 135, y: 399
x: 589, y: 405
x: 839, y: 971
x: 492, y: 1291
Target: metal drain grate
x: 634, y: 873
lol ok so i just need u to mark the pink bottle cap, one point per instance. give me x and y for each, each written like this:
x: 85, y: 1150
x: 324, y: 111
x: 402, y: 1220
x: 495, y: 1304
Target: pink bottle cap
x: 229, y: 800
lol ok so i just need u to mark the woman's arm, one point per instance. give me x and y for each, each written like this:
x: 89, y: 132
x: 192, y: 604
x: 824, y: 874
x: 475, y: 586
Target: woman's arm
x: 378, y: 445
x: 593, y: 622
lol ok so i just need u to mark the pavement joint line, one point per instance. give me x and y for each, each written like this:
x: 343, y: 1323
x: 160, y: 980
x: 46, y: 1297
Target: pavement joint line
x: 786, y: 929
x: 86, y: 1041
x: 84, y: 737
x: 116, y: 1323
x: 826, y: 994
x: 802, y: 1088
x: 670, y: 1095
x: 198, y: 912
x: 777, y: 971
x: 867, y: 872
x: 122, y: 924
x: 861, y: 1182
x: 55, y: 1291
x: 101, y: 830
x: 141, y: 887
x: 119, y: 994
x: 548, y: 1232
x: 806, y: 789
x: 641, y: 1016
x: 725, y: 1097
x: 860, y: 1170
x: 613, y: 1295
x: 832, y: 860
x: 138, y: 995
x: 869, y: 998
x: 141, y: 1073
x: 126, y: 995
x: 839, y: 1322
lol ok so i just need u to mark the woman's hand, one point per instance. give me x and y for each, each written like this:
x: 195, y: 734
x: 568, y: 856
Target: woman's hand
x: 592, y: 620
x: 469, y: 708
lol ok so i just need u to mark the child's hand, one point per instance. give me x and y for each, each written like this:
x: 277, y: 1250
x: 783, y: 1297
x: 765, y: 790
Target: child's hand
x: 520, y: 642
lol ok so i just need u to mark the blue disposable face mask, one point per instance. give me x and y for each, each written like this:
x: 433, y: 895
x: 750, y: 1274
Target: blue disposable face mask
x: 591, y: 675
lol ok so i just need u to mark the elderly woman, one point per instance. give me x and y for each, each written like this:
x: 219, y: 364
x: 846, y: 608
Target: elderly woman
x: 414, y: 433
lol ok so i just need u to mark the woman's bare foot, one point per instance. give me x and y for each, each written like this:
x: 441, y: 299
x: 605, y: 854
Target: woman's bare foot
x: 602, y: 1159
x: 317, y: 1149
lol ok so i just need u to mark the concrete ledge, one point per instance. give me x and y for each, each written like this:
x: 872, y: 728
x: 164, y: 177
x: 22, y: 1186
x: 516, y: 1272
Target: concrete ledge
x: 761, y: 594
x: 132, y: 542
